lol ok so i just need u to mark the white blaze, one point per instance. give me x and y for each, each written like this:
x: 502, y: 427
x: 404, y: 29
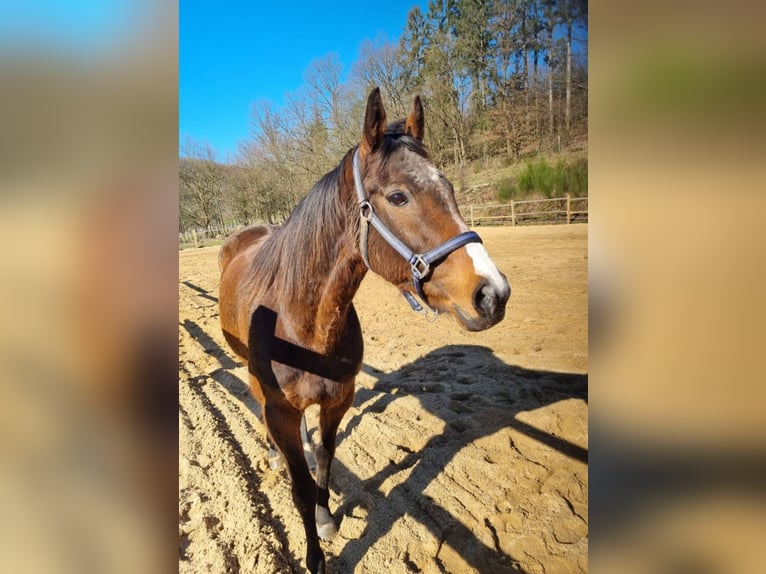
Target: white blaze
x: 485, y: 267
x: 482, y: 263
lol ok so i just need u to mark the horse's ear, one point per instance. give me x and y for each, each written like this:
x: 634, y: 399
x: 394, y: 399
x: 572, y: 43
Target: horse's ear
x: 414, y: 126
x: 374, y: 123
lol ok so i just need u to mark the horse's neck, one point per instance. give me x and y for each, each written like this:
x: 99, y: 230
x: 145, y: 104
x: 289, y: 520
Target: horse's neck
x: 334, y: 284
x: 335, y: 301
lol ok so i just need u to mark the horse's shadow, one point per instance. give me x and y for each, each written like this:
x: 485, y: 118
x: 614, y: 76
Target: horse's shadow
x: 445, y: 383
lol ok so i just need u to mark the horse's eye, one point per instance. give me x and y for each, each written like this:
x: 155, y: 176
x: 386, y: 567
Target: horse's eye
x: 397, y: 198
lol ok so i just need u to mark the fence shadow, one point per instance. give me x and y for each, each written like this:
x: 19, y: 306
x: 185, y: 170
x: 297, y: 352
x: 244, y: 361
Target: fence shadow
x: 201, y: 292
x: 209, y: 345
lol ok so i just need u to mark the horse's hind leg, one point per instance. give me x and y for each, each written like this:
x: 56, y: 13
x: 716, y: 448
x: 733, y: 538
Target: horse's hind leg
x: 329, y: 420
x: 275, y: 459
x: 308, y: 448
x: 283, y: 423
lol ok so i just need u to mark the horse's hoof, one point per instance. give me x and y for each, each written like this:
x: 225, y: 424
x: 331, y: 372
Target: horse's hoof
x: 326, y: 528
x: 327, y: 531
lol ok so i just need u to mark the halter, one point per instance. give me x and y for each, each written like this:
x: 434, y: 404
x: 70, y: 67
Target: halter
x: 419, y: 262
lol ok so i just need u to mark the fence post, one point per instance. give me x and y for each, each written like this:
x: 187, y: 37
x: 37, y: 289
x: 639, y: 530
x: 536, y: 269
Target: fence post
x: 569, y: 210
x: 472, y: 215
x: 513, y: 214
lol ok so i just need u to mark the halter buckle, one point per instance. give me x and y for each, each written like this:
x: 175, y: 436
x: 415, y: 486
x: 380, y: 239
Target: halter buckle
x: 420, y: 267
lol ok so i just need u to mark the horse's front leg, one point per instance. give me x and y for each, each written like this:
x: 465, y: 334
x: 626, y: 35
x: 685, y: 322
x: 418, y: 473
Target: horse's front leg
x: 329, y: 420
x: 283, y: 422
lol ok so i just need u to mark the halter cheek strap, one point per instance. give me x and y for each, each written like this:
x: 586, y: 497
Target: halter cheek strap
x: 420, y: 263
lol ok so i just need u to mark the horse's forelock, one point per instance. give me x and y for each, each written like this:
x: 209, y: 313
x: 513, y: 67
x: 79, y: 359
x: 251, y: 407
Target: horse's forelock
x: 396, y: 139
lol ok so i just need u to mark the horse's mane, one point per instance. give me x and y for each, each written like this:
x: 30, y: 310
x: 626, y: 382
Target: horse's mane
x: 291, y: 261
x: 301, y: 252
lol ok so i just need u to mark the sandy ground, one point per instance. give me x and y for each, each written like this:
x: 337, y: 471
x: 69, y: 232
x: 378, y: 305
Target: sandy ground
x: 463, y: 452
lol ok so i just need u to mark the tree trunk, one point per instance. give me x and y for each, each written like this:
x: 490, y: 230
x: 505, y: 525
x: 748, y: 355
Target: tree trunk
x: 567, y: 109
x: 538, y: 129
x: 506, y: 131
x: 525, y: 67
x: 550, y: 84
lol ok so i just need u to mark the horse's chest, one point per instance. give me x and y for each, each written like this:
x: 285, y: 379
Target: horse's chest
x: 297, y: 362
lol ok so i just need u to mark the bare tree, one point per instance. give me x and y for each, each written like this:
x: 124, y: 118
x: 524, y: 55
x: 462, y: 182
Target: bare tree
x: 380, y: 64
x: 202, y: 183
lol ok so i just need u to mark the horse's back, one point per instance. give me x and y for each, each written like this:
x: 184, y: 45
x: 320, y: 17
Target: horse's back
x: 235, y: 262
x: 239, y: 241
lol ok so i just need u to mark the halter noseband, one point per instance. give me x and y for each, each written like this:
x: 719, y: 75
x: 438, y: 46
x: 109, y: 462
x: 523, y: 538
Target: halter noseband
x: 419, y: 262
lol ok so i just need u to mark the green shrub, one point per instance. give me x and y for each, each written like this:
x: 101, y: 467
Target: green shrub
x: 578, y: 177
x: 563, y: 178
x: 537, y: 176
x: 506, y: 190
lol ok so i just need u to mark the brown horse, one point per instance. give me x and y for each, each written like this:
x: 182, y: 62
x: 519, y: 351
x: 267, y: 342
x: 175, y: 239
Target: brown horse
x: 286, y: 292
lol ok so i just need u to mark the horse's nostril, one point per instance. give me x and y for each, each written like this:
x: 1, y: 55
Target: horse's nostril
x: 485, y: 300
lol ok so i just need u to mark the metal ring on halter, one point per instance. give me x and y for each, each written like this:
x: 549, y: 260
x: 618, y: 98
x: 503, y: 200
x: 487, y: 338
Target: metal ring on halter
x: 365, y: 207
x: 420, y: 267
x: 434, y: 315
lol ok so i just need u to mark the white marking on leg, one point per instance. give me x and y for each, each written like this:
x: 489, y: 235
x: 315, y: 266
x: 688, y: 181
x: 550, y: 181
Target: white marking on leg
x: 308, y: 448
x: 326, y: 528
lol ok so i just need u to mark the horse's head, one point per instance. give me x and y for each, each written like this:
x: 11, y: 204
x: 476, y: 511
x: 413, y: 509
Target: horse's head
x: 405, y: 197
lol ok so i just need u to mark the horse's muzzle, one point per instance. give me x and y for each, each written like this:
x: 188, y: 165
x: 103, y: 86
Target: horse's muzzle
x: 489, y: 304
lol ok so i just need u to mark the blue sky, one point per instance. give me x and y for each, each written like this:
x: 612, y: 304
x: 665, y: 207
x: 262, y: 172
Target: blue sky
x: 234, y: 53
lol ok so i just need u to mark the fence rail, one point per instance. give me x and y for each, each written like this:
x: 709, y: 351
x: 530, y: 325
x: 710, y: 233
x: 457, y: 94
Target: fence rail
x: 557, y: 210
x: 530, y: 211
x: 200, y: 236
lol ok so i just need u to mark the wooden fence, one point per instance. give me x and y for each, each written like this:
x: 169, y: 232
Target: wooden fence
x: 199, y: 237
x: 532, y: 211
